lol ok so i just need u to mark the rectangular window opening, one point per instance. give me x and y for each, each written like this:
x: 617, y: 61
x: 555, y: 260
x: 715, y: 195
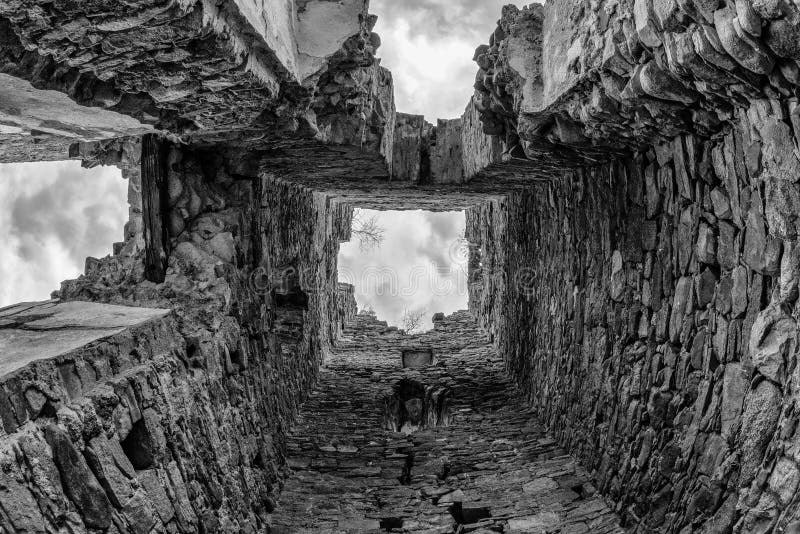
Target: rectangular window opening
x: 406, y: 266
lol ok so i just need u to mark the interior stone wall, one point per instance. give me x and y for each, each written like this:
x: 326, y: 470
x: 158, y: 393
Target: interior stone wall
x: 454, y: 151
x: 648, y: 308
x: 646, y: 304
x: 474, y: 459
x: 207, y: 394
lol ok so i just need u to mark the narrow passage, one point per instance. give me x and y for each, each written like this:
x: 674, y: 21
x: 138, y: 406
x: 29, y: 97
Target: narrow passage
x: 441, y: 448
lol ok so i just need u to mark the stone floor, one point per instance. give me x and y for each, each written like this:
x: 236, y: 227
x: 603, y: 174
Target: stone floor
x: 488, y: 466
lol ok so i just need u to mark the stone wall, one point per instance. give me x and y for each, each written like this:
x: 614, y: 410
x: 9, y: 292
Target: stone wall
x: 356, y: 107
x: 648, y: 309
x: 576, y: 81
x: 411, y: 154
x: 164, y: 428
x: 453, y: 152
x: 443, y: 447
x: 486, y: 232
x: 447, y: 153
x: 632, y: 203
x: 480, y: 149
x: 190, y: 70
x: 179, y: 425
x: 183, y: 428
x: 645, y: 295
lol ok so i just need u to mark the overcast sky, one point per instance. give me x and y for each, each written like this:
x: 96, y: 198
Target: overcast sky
x: 421, y: 265
x: 428, y: 45
x: 54, y: 215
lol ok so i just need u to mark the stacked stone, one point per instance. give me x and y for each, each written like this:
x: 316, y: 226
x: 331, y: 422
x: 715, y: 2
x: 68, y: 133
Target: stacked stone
x: 182, y: 430
x: 370, y: 92
x: 453, y: 152
x: 479, y: 149
x: 649, y: 311
x: 488, y: 466
x: 411, y: 152
x: 188, y: 68
x: 602, y: 75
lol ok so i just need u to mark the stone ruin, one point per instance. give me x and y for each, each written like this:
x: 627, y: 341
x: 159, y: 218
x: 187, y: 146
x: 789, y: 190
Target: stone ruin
x: 630, y: 174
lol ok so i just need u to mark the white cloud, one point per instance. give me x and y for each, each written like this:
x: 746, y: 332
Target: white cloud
x: 428, y: 45
x: 53, y: 215
x: 419, y: 266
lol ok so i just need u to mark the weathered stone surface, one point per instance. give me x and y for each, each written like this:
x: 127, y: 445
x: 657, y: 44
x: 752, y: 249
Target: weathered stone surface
x: 759, y: 421
x: 632, y: 209
x: 33, y: 117
x: 447, y: 154
x: 706, y: 245
x: 572, y: 77
x: 80, y: 484
x: 219, y: 382
x: 674, y: 349
x: 488, y: 462
x: 411, y: 148
x: 783, y: 37
x: 190, y: 68
x: 38, y: 331
x: 773, y: 342
x: 734, y: 387
x: 370, y: 92
x: 480, y: 150
x: 454, y: 151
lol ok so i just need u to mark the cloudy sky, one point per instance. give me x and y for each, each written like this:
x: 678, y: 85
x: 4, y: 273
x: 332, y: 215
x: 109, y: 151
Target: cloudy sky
x: 54, y: 215
x: 421, y: 265
x: 428, y: 45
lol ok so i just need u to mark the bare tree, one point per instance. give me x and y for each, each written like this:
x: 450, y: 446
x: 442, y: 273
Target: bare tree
x: 411, y: 321
x: 368, y: 230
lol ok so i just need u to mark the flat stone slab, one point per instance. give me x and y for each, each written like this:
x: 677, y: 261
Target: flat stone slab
x: 34, y: 331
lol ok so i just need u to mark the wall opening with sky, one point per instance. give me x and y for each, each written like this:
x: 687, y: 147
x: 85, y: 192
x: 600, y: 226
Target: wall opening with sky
x: 420, y: 265
x: 53, y: 215
x: 428, y: 45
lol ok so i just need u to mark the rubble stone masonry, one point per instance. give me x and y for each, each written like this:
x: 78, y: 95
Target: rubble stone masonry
x: 629, y: 170
x: 435, y: 448
x: 647, y: 308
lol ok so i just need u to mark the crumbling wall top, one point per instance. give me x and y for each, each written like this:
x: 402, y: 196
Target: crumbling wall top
x: 603, y: 76
x: 193, y: 68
